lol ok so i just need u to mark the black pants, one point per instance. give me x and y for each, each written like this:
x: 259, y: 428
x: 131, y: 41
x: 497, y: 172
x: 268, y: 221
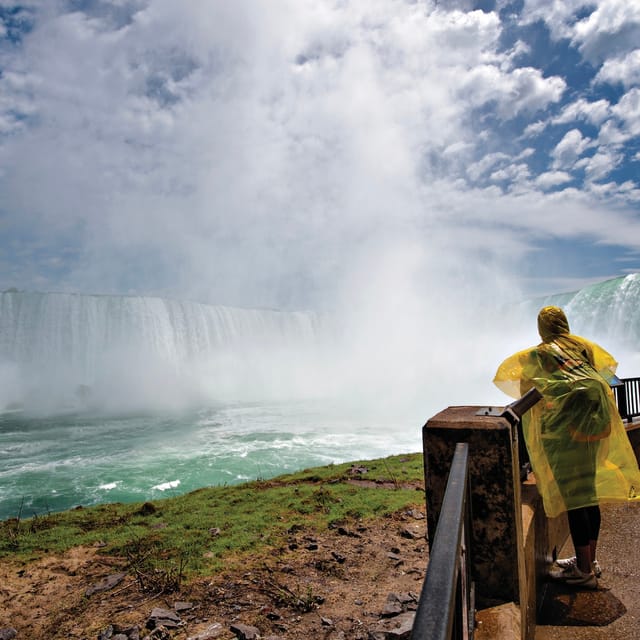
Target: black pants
x: 584, y: 525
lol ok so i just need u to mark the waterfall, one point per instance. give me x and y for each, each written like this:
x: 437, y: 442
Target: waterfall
x: 60, y: 351
x: 61, y: 345
x: 608, y: 311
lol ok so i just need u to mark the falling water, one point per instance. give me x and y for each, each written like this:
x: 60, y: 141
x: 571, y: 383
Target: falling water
x: 114, y: 398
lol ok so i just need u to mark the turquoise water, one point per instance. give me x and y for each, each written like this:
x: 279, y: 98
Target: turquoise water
x: 56, y: 463
x: 116, y: 354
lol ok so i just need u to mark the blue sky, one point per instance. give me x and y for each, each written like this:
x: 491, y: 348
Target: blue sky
x: 292, y: 152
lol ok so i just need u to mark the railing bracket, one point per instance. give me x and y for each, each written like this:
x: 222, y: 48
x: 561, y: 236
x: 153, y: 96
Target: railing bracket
x: 490, y: 411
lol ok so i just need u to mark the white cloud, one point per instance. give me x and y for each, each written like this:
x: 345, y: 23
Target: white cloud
x: 516, y: 173
x: 534, y: 129
x: 611, y: 28
x: 612, y: 134
x: 593, y: 112
x: 531, y: 213
x: 523, y: 89
x: 569, y: 149
x: 468, y: 38
x: 240, y: 154
x: 628, y: 112
x: 526, y: 153
x: 557, y: 14
x: 253, y: 154
x: 625, y: 70
x: 551, y: 179
x: 625, y: 122
x: 603, y: 162
x: 482, y: 166
x: 626, y: 192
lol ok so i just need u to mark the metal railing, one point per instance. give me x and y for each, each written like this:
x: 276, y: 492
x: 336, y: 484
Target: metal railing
x: 627, y: 394
x: 446, y: 610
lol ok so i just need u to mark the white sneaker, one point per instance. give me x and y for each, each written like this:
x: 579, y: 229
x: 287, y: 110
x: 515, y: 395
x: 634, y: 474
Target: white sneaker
x: 572, y: 562
x: 572, y: 576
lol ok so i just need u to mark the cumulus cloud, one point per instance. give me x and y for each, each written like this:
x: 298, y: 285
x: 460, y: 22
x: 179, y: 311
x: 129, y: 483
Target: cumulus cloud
x: 569, y: 149
x: 620, y: 192
x: 593, y: 112
x: 603, y: 162
x: 628, y: 112
x: 513, y: 173
x: 613, y: 27
x: 612, y: 133
x: 523, y: 89
x: 550, y: 179
x: 534, y: 129
x: 557, y: 14
x: 255, y: 154
x: 609, y: 28
x: 482, y: 166
x: 625, y: 70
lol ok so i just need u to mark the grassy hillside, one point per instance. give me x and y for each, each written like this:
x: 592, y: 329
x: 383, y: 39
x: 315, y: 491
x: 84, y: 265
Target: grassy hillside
x: 195, y: 534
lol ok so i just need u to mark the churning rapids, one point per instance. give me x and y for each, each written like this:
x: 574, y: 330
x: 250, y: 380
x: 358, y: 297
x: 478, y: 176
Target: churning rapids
x: 114, y: 398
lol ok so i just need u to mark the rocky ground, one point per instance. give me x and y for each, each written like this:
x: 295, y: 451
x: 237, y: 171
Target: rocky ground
x: 358, y: 583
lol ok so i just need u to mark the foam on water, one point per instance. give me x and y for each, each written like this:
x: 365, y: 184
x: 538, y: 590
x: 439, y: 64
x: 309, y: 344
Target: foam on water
x: 166, y: 485
x: 92, y: 459
x: 266, y: 411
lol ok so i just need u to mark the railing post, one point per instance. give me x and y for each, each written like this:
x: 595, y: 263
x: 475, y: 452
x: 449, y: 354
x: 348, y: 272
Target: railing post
x: 445, y: 605
x: 620, y: 392
x: 494, y: 476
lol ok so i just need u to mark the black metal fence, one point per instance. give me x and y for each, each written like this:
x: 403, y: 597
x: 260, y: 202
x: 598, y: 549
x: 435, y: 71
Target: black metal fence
x: 627, y: 393
x: 446, y: 610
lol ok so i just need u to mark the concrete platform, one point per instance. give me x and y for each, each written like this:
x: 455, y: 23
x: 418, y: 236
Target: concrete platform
x: 613, y: 611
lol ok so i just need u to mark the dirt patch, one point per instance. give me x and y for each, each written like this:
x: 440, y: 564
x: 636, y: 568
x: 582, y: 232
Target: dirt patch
x: 333, y: 584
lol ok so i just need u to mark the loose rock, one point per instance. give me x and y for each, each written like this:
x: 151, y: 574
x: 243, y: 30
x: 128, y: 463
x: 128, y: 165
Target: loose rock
x: 105, y: 584
x: 115, y: 632
x: 245, y: 632
x: 210, y: 633
x: 412, y: 535
x: 163, y: 618
x: 398, y: 628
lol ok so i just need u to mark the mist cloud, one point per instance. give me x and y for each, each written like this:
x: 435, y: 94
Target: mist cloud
x: 264, y: 154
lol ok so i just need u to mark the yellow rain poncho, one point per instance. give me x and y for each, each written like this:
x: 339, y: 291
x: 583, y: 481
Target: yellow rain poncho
x: 579, y: 450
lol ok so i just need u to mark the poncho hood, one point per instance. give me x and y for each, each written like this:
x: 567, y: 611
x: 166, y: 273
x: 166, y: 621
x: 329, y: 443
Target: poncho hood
x: 552, y: 323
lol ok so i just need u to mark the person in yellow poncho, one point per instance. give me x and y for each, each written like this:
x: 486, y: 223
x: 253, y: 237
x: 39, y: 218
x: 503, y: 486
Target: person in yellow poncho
x: 579, y: 450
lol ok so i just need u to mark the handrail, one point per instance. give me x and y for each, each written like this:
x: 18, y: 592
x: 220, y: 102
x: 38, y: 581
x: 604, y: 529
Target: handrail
x: 514, y: 412
x: 446, y: 603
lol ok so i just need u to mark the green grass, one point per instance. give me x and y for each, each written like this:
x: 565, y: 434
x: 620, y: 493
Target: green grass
x: 200, y: 530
